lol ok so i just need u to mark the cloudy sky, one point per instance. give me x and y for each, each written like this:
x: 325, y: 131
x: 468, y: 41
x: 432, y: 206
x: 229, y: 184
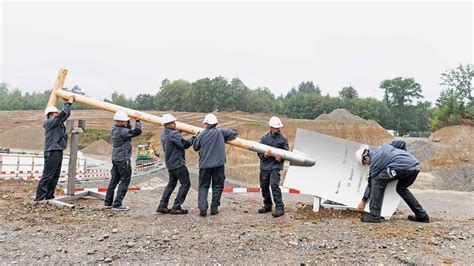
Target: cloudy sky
x: 131, y: 47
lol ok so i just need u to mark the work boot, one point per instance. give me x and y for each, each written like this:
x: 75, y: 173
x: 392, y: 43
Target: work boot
x: 179, y: 211
x: 278, y: 213
x: 214, y: 211
x: 265, y: 209
x: 108, y: 206
x: 163, y: 210
x: 419, y: 218
x: 369, y: 219
x: 202, y: 213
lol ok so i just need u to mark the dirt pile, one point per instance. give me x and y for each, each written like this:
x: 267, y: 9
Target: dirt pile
x: 98, y: 147
x: 339, y: 115
x: 460, y: 139
x: 446, y: 157
x: 343, y: 124
x: 23, y: 137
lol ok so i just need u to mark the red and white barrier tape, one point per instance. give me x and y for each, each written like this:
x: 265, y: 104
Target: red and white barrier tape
x: 61, y: 178
x: 257, y: 190
x: 226, y: 190
x: 62, y: 172
x: 104, y: 189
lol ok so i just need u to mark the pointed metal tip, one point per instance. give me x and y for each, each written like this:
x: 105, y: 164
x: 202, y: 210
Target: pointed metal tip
x: 309, y: 162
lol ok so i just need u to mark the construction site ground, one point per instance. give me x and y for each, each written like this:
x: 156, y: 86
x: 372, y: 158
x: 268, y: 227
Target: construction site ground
x: 43, y: 233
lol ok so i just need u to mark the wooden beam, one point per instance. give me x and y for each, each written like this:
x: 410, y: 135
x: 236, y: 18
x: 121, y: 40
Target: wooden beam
x: 59, y: 84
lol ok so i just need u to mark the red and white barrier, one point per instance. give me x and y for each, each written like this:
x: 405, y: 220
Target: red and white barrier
x: 104, y: 189
x: 257, y: 190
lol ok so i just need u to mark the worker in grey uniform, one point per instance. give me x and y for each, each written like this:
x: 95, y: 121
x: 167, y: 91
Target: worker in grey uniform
x: 388, y: 163
x: 210, y: 143
x: 55, y: 142
x: 174, y: 146
x: 122, y: 134
x: 270, y: 167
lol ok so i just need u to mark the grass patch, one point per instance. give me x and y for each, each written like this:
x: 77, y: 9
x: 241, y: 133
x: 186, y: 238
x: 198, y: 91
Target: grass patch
x: 92, y: 135
x: 255, y: 124
x: 143, y: 138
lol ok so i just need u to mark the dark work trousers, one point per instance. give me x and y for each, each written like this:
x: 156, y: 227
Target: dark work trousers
x: 180, y: 174
x: 271, y: 179
x: 206, y: 176
x: 405, y: 179
x: 51, y: 172
x: 121, y: 175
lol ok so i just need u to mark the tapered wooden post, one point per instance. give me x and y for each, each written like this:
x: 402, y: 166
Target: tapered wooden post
x: 59, y: 84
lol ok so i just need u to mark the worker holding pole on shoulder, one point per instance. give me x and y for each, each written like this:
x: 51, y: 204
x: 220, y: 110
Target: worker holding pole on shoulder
x: 210, y: 143
x: 174, y: 146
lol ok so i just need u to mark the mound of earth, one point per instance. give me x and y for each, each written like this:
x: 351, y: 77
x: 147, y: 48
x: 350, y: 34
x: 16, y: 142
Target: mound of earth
x: 458, y: 137
x: 339, y: 115
x: 446, y: 157
x: 23, y: 137
x: 98, y: 147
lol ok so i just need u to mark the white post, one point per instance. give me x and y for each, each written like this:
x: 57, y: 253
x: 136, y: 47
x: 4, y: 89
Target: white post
x: 316, y: 204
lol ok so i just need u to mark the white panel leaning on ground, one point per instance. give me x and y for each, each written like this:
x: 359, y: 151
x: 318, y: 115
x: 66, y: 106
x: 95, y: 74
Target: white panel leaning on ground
x: 336, y: 176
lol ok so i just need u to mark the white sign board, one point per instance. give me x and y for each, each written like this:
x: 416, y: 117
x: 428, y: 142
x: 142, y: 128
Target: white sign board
x: 336, y: 176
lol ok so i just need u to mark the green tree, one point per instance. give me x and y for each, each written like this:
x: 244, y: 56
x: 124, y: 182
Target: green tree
x: 348, y: 93
x: 455, y: 101
x: 400, y: 91
x: 260, y: 100
x: 399, y: 94
x: 121, y: 99
x: 174, y: 96
x: 460, y: 81
x: 145, y: 102
x: 308, y: 87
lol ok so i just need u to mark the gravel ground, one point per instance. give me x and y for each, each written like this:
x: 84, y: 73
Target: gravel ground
x: 44, y: 233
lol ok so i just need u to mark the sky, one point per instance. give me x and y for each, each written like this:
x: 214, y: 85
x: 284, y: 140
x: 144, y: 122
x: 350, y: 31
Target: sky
x: 132, y: 46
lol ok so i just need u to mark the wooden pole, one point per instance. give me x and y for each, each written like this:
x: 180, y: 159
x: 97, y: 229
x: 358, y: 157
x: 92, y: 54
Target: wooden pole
x: 299, y: 159
x: 58, y: 85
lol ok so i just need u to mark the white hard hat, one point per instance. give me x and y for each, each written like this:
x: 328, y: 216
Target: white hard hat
x: 275, y: 122
x: 167, y: 118
x: 50, y: 109
x: 210, y: 119
x: 121, y: 116
x: 360, y: 154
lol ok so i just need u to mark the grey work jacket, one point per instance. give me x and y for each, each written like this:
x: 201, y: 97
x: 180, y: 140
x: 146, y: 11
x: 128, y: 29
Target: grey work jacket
x: 211, y: 146
x: 174, y: 146
x: 387, y: 156
x: 55, y: 137
x: 279, y: 141
x: 122, y: 141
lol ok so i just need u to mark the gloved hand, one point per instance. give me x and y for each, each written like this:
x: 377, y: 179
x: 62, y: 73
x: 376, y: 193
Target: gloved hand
x: 129, y: 125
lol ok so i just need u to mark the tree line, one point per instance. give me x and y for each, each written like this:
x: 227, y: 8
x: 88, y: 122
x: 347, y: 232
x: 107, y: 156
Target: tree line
x: 402, y: 107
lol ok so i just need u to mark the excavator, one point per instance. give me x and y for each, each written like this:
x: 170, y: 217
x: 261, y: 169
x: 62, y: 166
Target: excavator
x: 146, y: 153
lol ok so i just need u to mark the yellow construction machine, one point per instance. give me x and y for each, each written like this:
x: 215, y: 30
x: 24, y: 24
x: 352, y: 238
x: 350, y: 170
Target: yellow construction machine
x: 147, y: 153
